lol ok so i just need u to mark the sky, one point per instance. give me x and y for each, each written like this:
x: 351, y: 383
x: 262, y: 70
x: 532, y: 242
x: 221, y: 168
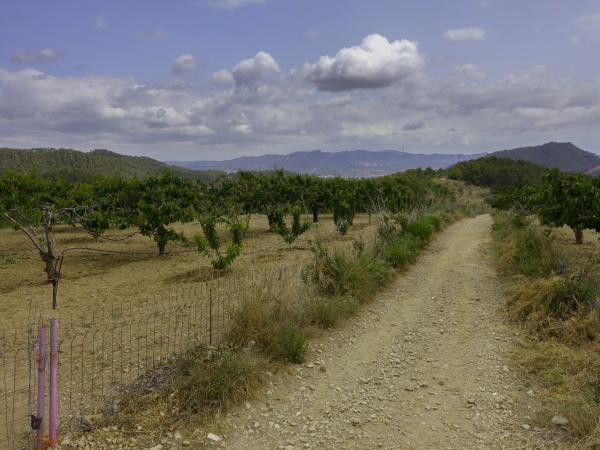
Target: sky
x: 215, y: 79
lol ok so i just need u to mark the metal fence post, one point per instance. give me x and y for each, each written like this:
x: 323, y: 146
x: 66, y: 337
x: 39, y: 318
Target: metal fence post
x: 210, y: 316
x: 53, y: 410
x: 41, y: 386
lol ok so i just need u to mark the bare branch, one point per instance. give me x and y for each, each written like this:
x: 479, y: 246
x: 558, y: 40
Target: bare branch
x: 29, y: 233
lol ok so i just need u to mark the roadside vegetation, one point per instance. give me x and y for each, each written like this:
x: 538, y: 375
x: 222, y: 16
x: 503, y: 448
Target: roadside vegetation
x: 555, y: 292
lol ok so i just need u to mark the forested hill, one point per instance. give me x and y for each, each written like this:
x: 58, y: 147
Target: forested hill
x: 496, y: 173
x: 74, y: 165
x: 563, y: 155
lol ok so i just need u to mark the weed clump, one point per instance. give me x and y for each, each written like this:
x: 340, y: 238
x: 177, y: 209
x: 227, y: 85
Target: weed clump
x: 534, y: 253
x: 327, y: 311
x: 209, y: 379
x: 401, y: 250
x: 290, y: 345
x: 338, y: 274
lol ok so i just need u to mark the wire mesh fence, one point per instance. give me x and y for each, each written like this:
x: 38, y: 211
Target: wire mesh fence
x: 112, y: 346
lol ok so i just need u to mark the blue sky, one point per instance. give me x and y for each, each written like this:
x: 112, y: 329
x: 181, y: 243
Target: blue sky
x: 211, y: 79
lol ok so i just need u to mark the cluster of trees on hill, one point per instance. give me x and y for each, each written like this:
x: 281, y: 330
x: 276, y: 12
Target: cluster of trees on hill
x: 152, y: 204
x: 496, y: 173
x: 77, y: 166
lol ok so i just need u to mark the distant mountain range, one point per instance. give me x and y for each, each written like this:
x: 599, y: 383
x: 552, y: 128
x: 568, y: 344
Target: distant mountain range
x: 354, y: 163
x: 74, y: 165
x: 82, y: 166
x: 362, y: 163
x: 564, y: 155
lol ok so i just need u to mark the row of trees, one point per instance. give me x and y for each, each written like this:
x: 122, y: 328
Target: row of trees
x: 152, y: 204
x: 559, y: 199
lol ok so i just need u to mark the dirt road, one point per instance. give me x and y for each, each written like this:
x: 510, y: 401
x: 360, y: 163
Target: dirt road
x: 425, y: 367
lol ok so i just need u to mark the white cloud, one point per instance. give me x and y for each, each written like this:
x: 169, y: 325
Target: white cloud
x: 185, y: 63
x: 439, y: 113
x: 588, y: 24
x: 465, y: 34
x: 249, y: 72
x: 233, y: 4
x: 223, y: 77
x: 377, y: 62
x: 470, y: 70
x: 102, y: 23
x: 38, y: 56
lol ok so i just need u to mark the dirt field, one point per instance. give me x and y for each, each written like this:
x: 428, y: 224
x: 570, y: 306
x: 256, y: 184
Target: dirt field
x: 92, y: 280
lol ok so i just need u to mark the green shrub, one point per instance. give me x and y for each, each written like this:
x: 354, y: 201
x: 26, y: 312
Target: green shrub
x: 534, y: 253
x: 327, y: 311
x: 359, y: 275
x: 402, y: 250
x: 421, y: 228
x: 290, y: 345
x: 434, y: 220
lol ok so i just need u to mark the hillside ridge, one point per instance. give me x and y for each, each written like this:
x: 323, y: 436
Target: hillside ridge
x: 75, y: 165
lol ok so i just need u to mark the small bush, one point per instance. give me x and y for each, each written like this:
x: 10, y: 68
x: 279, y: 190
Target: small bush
x: 402, y: 250
x: 254, y: 320
x: 434, y: 220
x: 421, y: 228
x: 290, y: 345
x: 534, y: 253
x: 338, y: 274
x: 327, y: 311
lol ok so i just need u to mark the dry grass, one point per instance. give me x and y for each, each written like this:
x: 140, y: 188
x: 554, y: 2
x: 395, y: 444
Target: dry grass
x: 562, y: 355
x: 192, y: 388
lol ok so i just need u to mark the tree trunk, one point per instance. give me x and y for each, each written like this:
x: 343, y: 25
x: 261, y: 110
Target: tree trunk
x: 49, y: 266
x: 315, y: 213
x: 161, y: 248
x: 578, y: 236
x: 271, y: 219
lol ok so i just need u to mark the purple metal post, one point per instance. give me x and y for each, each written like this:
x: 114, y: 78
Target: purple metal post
x: 53, y: 382
x: 41, y: 385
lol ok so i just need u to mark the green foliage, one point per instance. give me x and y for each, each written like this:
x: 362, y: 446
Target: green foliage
x: 421, y: 228
x: 400, y: 250
x: 210, y: 243
x: 534, y: 253
x: 525, y: 250
x: 338, y: 274
x: 496, y: 173
x: 154, y: 203
x: 290, y: 234
x: 568, y: 199
x: 343, y: 211
x: 290, y: 345
x: 83, y: 167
